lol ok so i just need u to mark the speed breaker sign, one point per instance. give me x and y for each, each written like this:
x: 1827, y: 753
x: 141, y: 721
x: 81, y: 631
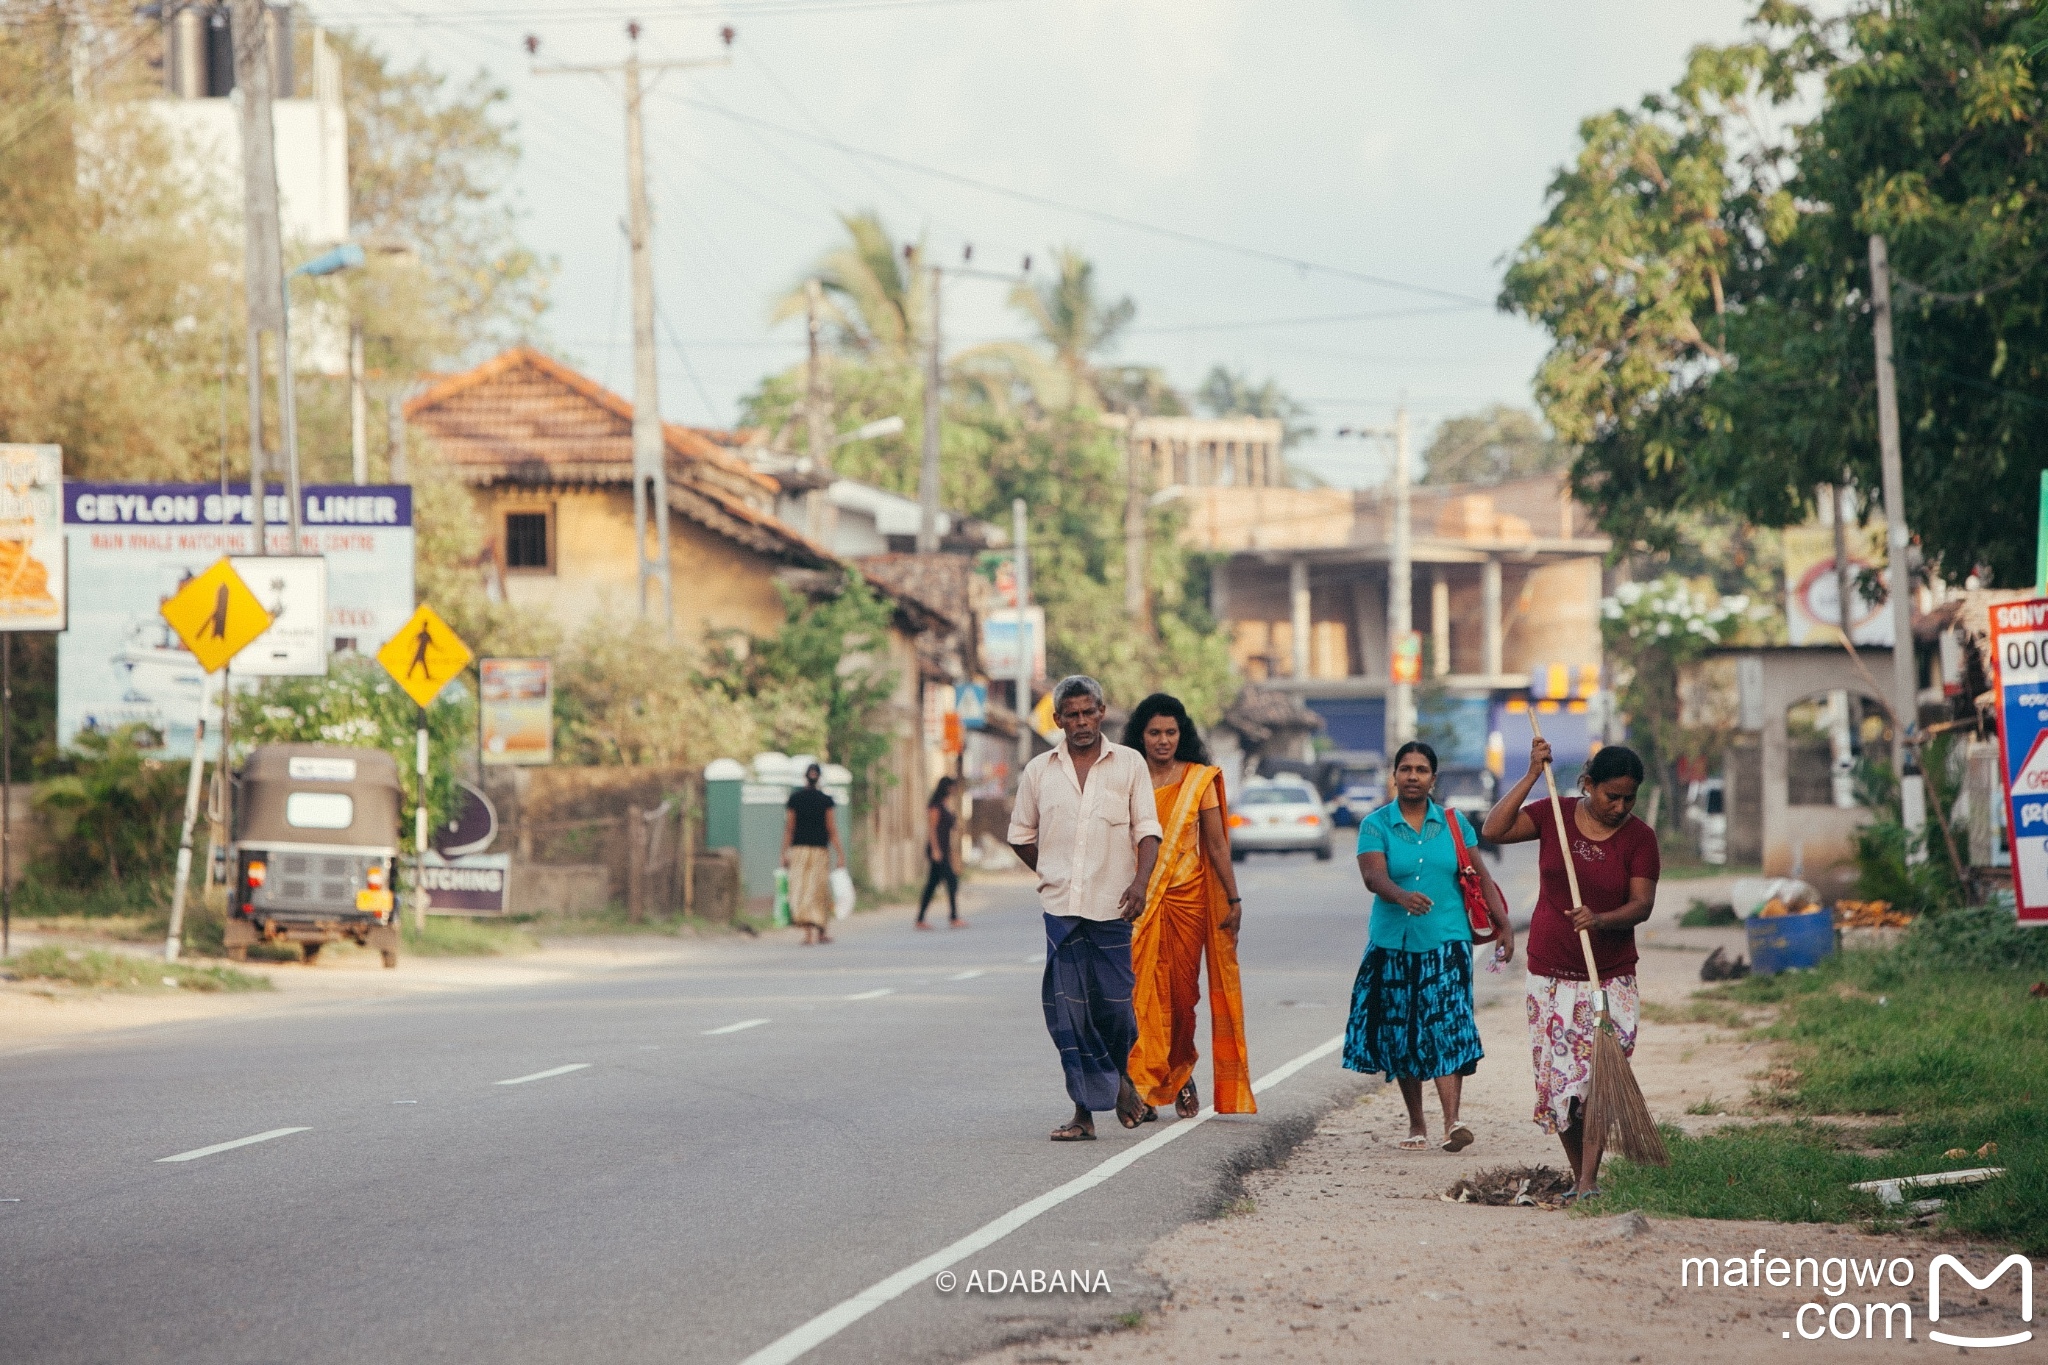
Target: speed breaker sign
x: 2019, y: 648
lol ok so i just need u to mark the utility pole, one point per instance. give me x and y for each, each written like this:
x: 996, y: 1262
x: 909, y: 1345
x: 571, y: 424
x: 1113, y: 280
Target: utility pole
x: 358, y: 409
x: 1400, y: 604
x: 1905, y: 679
x: 1022, y: 571
x: 249, y: 29
x: 1134, y: 531
x: 815, y: 416
x: 394, y: 440
x: 928, y: 473
x: 650, y: 465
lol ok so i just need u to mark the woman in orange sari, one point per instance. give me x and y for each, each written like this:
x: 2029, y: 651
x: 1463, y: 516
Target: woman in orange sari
x: 1192, y: 910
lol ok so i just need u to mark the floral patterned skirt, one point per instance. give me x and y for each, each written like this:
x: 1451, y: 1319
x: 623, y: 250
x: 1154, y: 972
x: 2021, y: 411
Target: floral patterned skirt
x: 1561, y: 1040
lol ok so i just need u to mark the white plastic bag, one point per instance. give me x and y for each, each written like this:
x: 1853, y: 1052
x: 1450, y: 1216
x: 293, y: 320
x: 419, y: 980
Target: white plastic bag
x: 842, y: 893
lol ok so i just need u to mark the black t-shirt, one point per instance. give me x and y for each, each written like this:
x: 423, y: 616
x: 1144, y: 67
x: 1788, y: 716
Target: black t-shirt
x: 945, y: 836
x: 810, y: 806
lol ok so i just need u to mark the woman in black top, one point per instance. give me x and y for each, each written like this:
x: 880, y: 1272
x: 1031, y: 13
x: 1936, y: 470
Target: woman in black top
x: 810, y: 836
x: 938, y: 852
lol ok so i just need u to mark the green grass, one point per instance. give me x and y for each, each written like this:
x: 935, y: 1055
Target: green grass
x: 1940, y: 1036
x: 452, y: 936
x: 93, y: 967
x: 1701, y: 915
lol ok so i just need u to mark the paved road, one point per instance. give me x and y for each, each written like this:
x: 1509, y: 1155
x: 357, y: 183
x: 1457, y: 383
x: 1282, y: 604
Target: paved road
x: 696, y: 1187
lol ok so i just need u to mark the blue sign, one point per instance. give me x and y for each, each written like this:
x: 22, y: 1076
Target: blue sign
x: 970, y: 699
x: 2019, y: 650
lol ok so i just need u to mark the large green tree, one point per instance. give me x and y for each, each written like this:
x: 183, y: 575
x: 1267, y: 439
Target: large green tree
x: 1492, y: 445
x: 1706, y: 284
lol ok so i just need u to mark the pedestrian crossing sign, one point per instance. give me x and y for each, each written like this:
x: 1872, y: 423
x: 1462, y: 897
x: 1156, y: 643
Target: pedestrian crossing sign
x: 424, y: 656
x: 216, y: 615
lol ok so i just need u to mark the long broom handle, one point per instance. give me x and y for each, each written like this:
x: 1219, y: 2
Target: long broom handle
x: 1564, y: 847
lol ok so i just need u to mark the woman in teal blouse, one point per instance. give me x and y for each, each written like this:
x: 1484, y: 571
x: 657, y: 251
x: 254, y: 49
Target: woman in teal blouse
x: 1411, y: 1006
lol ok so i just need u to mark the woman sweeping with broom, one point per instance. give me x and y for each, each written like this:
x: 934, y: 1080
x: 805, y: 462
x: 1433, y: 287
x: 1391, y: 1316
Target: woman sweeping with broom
x: 1599, y: 868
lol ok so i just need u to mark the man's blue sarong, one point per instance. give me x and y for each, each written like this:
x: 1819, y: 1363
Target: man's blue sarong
x: 1087, y: 996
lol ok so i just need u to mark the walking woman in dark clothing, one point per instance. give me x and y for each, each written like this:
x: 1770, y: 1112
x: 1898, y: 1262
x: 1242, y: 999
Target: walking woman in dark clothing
x: 938, y: 852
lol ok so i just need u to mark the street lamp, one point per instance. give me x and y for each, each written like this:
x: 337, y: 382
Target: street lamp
x: 347, y: 256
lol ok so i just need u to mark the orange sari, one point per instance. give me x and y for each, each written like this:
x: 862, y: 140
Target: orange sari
x: 1184, y: 909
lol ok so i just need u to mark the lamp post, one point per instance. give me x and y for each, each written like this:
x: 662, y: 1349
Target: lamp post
x: 347, y: 256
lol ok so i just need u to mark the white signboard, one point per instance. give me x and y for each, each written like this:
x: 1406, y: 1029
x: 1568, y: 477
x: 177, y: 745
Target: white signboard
x: 293, y: 589
x: 999, y: 645
x: 32, y: 579
x: 129, y: 546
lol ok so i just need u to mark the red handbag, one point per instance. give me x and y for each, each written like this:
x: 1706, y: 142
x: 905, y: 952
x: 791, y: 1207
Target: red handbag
x: 1471, y: 885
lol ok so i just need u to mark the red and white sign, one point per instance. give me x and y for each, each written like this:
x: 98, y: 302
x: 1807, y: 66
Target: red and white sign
x: 2019, y: 651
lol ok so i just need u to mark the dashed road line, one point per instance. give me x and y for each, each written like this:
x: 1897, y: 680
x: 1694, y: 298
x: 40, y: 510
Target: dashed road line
x: 828, y: 1324
x: 741, y: 1026
x: 875, y: 994
x: 543, y: 1075
x: 251, y: 1141
x: 968, y: 976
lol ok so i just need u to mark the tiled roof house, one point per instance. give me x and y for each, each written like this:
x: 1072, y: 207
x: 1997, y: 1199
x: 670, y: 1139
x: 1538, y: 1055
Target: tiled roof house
x: 548, y: 456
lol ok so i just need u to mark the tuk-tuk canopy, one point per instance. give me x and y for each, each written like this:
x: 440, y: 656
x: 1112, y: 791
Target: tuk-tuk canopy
x: 317, y: 794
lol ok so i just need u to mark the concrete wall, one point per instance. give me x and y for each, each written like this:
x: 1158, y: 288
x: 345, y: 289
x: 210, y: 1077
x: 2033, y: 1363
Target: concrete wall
x: 719, y: 585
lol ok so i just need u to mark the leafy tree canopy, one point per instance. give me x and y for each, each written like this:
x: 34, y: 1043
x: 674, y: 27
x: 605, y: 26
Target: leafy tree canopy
x: 1705, y: 279
x: 1491, y: 446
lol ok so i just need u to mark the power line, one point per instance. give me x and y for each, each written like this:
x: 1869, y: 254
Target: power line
x: 611, y: 14
x: 1099, y: 215
x: 710, y: 408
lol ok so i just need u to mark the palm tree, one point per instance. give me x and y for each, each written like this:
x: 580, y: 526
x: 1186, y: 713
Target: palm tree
x: 875, y: 304
x: 1076, y: 325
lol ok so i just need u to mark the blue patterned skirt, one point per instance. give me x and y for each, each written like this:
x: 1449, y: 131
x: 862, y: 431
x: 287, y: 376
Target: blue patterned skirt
x: 1411, y: 1014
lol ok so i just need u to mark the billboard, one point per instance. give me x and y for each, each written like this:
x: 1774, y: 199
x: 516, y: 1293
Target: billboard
x: 130, y: 546
x: 2019, y: 649
x: 999, y: 646
x: 517, y: 710
x: 32, y: 579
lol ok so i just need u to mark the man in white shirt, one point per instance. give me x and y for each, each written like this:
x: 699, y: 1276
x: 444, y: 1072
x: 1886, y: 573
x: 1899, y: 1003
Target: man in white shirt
x: 1085, y: 821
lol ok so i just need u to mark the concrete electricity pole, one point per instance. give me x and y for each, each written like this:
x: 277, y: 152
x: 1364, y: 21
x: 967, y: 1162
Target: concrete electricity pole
x: 650, y: 466
x: 816, y: 419
x: 1022, y: 571
x: 1905, y: 679
x: 249, y: 30
x: 928, y: 473
x: 358, y: 409
x: 1400, y: 575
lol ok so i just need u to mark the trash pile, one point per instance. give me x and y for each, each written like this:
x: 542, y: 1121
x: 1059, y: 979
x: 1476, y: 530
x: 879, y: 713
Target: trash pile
x: 1535, y: 1187
x: 1773, y: 897
x: 1870, y: 915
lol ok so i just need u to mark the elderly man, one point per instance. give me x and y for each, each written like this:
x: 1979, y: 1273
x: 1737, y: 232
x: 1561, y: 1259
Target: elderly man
x: 1086, y: 823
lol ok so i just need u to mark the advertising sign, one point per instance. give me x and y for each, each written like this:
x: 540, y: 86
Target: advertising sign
x: 999, y: 647
x: 518, y: 710
x: 2019, y: 649
x: 130, y: 546
x: 293, y: 589
x: 31, y: 538
x: 474, y: 884
x: 1813, y: 608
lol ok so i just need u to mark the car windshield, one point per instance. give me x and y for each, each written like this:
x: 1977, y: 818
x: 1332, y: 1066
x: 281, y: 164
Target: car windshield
x: 1454, y: 782
x: 1278, y: 796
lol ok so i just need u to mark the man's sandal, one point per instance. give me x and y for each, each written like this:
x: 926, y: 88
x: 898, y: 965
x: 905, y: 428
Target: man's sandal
x: 1072, y: 1132
x: 1414, y: 1142
x: 1189, y: 1102
x: 1459, y: 1138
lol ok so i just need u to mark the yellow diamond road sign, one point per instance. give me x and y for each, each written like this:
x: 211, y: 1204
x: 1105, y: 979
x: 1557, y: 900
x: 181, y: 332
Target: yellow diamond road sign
x: 215, y: 614
x: 424, y: 655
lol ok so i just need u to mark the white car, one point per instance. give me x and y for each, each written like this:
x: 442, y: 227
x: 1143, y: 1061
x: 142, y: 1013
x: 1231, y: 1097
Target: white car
x: 1279, y: 815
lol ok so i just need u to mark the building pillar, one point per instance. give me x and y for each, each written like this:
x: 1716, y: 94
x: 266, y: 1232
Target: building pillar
x: 1297, y: 591
x: 1219, y: 591
x: 1489, y: 613
x: 1439, y: 622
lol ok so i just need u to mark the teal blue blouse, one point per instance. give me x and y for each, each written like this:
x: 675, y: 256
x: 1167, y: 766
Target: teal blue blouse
x: 1425, y: 861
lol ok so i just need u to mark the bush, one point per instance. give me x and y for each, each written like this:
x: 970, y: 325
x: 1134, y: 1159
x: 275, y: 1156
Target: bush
x: 123, y: 972
x: 113, y: 818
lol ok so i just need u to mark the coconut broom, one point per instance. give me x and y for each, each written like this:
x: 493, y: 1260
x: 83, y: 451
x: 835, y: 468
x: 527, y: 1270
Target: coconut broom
x: 1614, y: 1103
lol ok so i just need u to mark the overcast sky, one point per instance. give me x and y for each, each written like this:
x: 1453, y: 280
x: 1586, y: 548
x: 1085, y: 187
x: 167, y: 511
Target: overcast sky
x: 1322, y: 146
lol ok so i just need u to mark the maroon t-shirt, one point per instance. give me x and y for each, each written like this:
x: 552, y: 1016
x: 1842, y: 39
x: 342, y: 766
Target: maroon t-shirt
x: 1604, y: 867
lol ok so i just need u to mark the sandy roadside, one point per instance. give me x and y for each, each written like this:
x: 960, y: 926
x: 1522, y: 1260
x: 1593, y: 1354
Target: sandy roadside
x: 39, y: 1014
x: 1348, y: 1252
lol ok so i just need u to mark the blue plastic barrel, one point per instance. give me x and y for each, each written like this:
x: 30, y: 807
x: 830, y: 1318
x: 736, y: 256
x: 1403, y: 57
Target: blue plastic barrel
x: 1788, y: 941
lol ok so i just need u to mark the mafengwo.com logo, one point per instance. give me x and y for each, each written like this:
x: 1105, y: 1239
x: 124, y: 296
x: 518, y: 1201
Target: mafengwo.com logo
x: 1884, y: 1310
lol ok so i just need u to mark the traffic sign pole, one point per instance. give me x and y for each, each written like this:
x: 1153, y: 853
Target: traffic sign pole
x: 419, y: 836
x: 174, y: 936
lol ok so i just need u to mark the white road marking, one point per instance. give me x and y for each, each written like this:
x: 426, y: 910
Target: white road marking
x: 874, y: 994
x: 832, y: 1321
x: 734, y: 1028
x: 1035, y: 960
x: 198, y: 1152
x: 543, y: 1075
x: 967, y: 976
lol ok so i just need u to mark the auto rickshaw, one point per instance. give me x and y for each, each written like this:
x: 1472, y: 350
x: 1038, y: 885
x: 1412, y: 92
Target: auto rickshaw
x: 314, y: 851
